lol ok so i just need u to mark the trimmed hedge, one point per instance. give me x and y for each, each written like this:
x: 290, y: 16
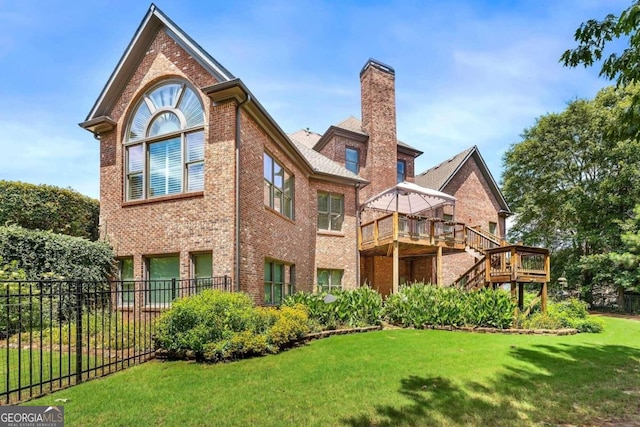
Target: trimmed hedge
x: 43, y: 253
x: 49, y: 208
x: 217, y: 326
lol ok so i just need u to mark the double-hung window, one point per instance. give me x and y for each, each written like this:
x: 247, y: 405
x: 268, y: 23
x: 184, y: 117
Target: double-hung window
x: 278, y: 187
x: 330, y: 211
x: 164, y: 143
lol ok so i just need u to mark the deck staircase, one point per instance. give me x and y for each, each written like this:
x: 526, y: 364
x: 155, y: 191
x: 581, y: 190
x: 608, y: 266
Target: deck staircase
x: 502, y: 263
x: 477, y: 243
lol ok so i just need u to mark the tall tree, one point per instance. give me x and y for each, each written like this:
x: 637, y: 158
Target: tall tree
x: 571, y: 181
x: 595, y: 39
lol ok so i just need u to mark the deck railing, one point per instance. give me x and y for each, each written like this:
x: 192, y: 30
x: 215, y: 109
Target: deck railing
x: 517, y: 263
x: 481, y: 240
x: 416, y: 229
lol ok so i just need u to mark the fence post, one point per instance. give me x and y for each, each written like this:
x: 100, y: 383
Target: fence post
x: 78, y: 331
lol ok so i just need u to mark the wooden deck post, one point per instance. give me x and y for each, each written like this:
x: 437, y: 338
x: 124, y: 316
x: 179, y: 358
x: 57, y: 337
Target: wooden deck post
x: 543, y: 297
x: 396, y: 267
x: 439, y: 279
x: 521, y: 296
x: 396, y: 261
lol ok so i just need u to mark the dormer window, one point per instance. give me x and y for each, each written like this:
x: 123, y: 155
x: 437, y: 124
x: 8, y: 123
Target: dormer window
x: 352, y: 160
x: 402, y: 171
x: 164, y: 143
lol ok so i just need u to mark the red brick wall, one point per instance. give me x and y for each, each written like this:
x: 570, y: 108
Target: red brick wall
x: 335, y: 149
x: 475, y: 205
x: 337, y: 250
x: 409, y: 162
x: 266, y: 234
x: 178, y: 225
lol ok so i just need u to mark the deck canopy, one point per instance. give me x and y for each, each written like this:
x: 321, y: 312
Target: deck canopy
x: 408, y: 198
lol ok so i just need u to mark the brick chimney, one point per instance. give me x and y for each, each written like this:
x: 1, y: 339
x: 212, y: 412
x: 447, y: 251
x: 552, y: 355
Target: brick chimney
x: 378, y: 97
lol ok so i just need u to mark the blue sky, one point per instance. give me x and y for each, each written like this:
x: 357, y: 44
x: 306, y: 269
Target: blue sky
x: 467, y: 72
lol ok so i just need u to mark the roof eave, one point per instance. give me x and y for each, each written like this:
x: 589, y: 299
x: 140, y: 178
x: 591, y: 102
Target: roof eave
x: 324, y: 176
x: 99, y: 125
x: 484, y: 169
x: 409, y: 150
x: 142, y: 38
x: 236, y: 91
x: 338, y: 131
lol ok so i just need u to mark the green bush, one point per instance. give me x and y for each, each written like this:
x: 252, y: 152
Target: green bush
x: 290, y: 325
x: 207, y: 317
x: 48, y: 208
x: 352, y: 308
x: 218, y: 326
x: 572, y: 313
x: 420, y: 304
x: 20, y: 310
x: 39, y: 253
x: 541, y: 320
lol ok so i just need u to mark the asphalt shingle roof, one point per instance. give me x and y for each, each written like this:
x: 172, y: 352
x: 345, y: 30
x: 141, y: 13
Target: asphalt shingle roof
x: 439, y: 175
x: 323, y: 164
x: 306, y: 137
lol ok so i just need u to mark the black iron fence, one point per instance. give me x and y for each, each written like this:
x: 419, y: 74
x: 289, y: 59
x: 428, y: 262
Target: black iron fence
x: 54, y: 334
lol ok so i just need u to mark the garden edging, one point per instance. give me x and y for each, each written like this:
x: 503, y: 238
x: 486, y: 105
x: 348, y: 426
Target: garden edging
x: 512, y: 331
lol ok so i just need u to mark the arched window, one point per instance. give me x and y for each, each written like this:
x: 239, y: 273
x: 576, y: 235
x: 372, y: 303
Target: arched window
x: 165, y: 143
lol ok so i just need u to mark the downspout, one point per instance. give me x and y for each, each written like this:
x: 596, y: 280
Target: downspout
x: 237, y: 215
x: 358, y: 284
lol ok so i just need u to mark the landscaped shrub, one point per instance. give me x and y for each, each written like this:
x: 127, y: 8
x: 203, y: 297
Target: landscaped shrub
x: 493, y: 308
x: 541, y: 320
x: 424, y: 304
x: 351, y: 308
x: 290, y: 324
x: 39, y: 253
x: 207, y: 317
x: 48, y: 208
x: 572, y: 313
x: 20, y: 310
x: 218, y: 326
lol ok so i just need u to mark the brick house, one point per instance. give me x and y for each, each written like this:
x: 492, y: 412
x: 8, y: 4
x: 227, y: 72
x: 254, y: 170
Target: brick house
x: 198, y: 180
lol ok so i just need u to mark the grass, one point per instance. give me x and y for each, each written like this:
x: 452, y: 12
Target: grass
x: 386, y: 378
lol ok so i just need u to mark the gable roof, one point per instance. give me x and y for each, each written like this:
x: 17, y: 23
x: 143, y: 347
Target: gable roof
x: 440, y: 175
x: 148, y: 28
x: 355, y: 125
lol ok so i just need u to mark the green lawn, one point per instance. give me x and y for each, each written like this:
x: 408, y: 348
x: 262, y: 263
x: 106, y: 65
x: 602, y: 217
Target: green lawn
x: 386, y: 378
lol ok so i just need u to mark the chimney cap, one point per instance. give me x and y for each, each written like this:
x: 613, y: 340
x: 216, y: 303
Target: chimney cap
x: 379, y: 65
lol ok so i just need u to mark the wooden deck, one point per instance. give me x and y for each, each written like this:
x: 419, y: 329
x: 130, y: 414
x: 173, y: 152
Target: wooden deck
x: 414, y: 235
x: 401, y: 236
